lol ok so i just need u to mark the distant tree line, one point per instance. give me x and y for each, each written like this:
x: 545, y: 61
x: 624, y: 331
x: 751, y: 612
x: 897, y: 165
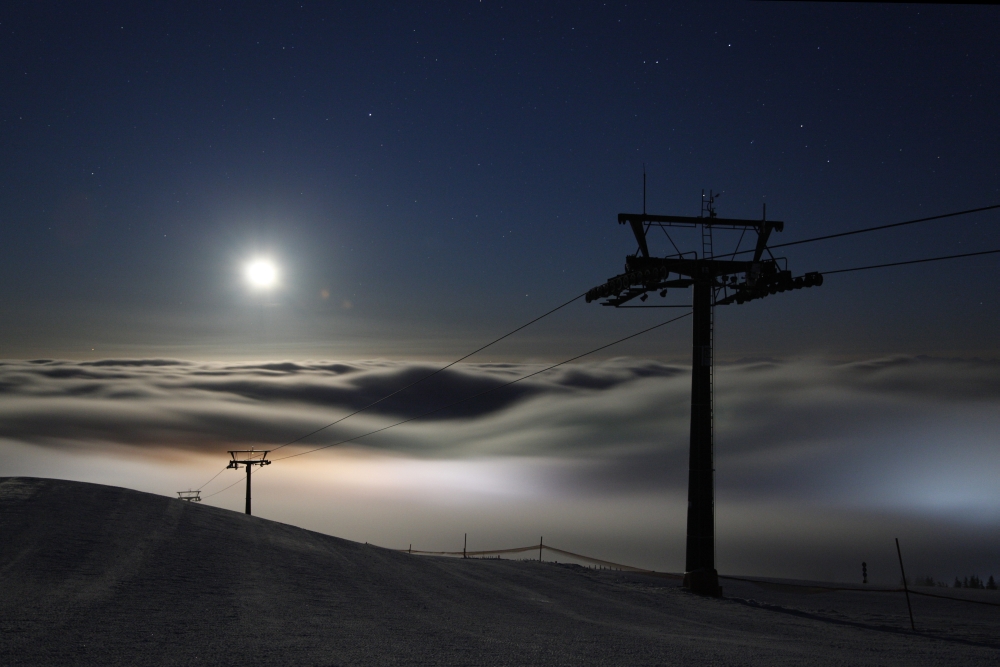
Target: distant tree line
x: 972, y: 581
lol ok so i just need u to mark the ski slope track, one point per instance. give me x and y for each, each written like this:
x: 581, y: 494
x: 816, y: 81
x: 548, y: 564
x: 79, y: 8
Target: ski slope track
x: 100, y: 575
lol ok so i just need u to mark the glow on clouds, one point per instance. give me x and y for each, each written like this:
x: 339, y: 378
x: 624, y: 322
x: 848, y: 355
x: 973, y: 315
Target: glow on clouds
x: 816, y: 462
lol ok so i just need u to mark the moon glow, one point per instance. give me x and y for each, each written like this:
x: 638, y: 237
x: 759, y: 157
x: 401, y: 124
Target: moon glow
x: 261, y: 273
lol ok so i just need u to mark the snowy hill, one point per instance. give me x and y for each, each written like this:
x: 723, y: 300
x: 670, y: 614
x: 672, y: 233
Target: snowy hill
x: 99, y: 575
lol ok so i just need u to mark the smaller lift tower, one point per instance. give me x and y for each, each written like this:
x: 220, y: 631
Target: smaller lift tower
x: 715, y: 282
x: 248, y: 458
x: 190, y: 496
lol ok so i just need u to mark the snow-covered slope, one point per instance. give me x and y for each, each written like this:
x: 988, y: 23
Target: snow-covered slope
x: 98, y: 575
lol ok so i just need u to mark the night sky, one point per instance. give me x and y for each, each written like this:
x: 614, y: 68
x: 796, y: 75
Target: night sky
x: 427, y: 177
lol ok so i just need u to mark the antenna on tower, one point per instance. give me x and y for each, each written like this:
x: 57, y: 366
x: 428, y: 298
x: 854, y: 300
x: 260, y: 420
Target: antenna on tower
x: 248, y: 458
x: 708, y: 203
x: 644, y: 188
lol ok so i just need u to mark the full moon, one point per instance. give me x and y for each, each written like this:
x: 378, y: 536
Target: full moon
x: 261, y: 273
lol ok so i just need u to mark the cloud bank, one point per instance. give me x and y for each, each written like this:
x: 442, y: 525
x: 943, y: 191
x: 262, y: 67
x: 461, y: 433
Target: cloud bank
x: 858, y: 432
x: 818, y: 465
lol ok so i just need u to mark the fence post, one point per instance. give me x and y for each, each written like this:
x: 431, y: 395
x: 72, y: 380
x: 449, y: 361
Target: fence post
x: 906, y: 588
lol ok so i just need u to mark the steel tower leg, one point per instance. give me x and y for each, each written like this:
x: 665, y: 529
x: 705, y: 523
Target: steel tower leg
x: 700, y: 575
x: 248, y: 488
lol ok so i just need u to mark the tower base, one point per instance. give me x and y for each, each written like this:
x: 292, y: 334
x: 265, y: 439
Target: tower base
x: 703, y: 582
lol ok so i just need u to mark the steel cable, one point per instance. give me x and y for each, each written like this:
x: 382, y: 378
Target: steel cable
x: 482, y: 393
x: 912, y: 261
x: 878, y: 227
x: 402, y: 389
x: 429, y: 375
x: 464, y: 400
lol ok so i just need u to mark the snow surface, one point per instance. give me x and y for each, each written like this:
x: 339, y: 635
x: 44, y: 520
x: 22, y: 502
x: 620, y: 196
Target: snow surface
x: 99, y: 575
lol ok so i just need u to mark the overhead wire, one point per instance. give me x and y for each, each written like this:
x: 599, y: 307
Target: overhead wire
x: 664, y: 230
x: 487, y: 391
x: 469, y: 398
x: 740, y: 241
x: 426, y: 414
x: 563, y: 305
x: 429, y: 375
x: 889, y: 226
x: 213, y: 478
x: 414, y: 383
x: 225, y: 489
x: 878, y: 227
x: 912, y: 261
x: 620, y: 340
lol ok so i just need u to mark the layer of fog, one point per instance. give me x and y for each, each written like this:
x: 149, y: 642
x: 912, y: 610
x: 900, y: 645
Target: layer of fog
x: 818, y: 465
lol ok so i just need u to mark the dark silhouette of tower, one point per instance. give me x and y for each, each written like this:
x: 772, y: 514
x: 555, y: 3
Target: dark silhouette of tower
x: 248, y: 458
x: 715, y: 282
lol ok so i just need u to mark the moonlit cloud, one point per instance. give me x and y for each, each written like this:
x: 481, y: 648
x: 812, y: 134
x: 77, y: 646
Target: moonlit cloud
x: 189, y: 405
x: 816, y: 462
x: 800, y: 429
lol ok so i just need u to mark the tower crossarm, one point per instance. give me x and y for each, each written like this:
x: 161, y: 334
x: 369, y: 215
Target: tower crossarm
x: 700, y: 269
x: 248, y: 457
x: 645, y: 274
x: 253, y: 462
x: 640, y: 223
x: 691, y: 221
x: 744, y: 281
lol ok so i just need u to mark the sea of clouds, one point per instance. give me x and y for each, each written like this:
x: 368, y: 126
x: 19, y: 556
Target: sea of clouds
x: 802, y: 427
x: 799, y: 444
